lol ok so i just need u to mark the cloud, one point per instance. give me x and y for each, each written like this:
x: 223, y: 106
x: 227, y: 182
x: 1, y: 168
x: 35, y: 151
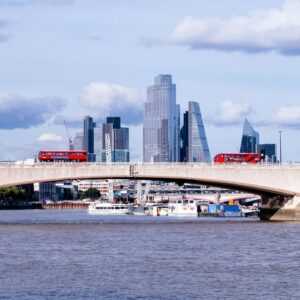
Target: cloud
x: 288, y: 116
x: 35, y: 2
x: 276, y: 30
x: 49, y: 137
x: 20, y: 112
x: 230, y: 113
x: 102, y: 99
x: 4, y: 36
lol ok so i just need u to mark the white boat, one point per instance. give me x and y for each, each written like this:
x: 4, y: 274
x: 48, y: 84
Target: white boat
x: 105, y: 208
x: 183, y: 208
x: 137, y: 210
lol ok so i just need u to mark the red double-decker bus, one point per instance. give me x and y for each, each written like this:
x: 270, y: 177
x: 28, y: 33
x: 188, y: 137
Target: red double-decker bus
x: 252, y: 158
x: 62, y: 156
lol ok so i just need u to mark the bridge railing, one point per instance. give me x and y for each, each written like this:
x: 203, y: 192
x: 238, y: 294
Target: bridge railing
x: 166, y: 164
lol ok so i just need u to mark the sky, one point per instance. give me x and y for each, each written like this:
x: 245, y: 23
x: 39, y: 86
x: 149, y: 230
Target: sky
x: 63, y: 59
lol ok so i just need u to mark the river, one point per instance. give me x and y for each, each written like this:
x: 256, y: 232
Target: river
x: 48, y: 254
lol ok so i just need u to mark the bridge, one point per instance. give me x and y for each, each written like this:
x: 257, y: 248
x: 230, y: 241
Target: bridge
x: 278, y: 185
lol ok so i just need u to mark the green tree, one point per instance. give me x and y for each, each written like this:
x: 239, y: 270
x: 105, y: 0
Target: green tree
x: 12, y: 192
x: 91, y: 193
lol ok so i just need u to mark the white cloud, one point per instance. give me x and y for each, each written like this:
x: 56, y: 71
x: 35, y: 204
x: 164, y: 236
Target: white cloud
x: 230, y: 113
x: 260, y: 31
x: 104, y: 99
x: 20, y: 112
x: 288, y: 116
x: 49, y: 137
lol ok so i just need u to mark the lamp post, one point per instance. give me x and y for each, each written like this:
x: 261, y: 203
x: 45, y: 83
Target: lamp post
x: 280, y: 150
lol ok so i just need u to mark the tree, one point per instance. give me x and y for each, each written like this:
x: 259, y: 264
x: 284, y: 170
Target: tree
x: 91, y: 193
x: 13, y: 193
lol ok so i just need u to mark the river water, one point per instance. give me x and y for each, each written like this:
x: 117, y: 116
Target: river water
x: 72, y: 255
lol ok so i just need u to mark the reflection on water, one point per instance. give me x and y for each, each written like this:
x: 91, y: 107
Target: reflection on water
x: 72, y: 255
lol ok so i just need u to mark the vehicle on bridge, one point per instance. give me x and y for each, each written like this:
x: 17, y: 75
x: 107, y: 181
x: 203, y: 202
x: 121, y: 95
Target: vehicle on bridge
x: 251, y: 158
x: 62, y: 156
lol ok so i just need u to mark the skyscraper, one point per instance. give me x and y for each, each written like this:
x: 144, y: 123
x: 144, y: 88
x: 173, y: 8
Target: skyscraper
x: 88, y: 137
x: 184, y: 136
x: 98, y: 143
x: 118, y: 137
x: 268, y: 151
x: 78, y: 141
x: 194, y: 142
x: 161, y: 122
x: 250, y: 138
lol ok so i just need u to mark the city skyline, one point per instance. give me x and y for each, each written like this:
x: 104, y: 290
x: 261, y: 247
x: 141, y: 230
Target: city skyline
x: 62, y: 60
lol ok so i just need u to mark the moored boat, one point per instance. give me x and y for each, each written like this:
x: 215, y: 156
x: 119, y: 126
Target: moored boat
x: 106, y: 208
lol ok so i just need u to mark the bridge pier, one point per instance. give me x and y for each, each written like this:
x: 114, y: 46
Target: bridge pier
x: 280, y: 208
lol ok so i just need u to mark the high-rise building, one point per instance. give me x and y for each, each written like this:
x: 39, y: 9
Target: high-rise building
x: 78, y: 141
x: 88, y: 137
x: 268, y: 152
x: 194, y: 142
x: 161, y: 122
x: 250, y: 138
x: 116, y: 121
x: 98, y: 143
x: 118, y: 139
x: 184, y: 136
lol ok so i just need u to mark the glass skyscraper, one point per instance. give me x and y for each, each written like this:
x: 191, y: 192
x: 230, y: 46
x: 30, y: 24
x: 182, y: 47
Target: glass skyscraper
x: 118, y: 139
x: 250, y: 138
x: 88, y: 137
x: 161, y: 122
x: 98, y: 143
x: 197, y: 148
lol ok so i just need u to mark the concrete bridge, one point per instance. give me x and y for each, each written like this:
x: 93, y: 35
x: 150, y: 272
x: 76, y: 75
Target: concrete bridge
x: 279, y: 185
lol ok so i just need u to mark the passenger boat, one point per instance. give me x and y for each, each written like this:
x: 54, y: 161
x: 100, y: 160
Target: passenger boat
x: 183, y: 208
x: 137, y: 210
x: 106, y: 208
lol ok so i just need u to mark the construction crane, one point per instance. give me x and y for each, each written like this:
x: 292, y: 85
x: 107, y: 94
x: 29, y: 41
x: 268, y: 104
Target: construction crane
x: 70, y: 139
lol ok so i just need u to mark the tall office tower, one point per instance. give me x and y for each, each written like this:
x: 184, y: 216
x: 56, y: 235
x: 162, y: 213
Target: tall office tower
x: 161, y: 122
x: 116, y: 121
x: 78, y: 141
x: 118, y: 139
x: 98, y: 143
x: 250, y: 139
x: 268, y: 151
x: 88, y: 137
x: 184, y: 136
x: 198, y: 150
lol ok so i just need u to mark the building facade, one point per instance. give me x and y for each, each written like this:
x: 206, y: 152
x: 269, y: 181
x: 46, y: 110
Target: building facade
x: 78, y: 141
x: 268, y: 152
x: 88, y: 137
x: 194, y: 146
x: 250, y: 139
x: 98, y: 143
x: 161, y: 122
x: 115, y: 139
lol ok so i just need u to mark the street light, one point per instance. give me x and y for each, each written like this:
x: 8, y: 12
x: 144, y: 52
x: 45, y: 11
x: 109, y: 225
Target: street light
x: 280, y: 150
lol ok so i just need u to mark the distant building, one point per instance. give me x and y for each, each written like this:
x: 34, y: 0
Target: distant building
x: 115, y: 139
x: 57, y: 191
x: 161, y: 122
x: 98, y: 143
x: 194, y: 147
x: 250, y: 138
x: 88, y: 137
x: 101, y: 185
x: 184, y: 136
x: 268, y: 151
x: 78, y: 141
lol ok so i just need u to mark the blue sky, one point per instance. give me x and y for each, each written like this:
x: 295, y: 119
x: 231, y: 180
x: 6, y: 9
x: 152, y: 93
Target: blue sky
x: 63, y: 59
